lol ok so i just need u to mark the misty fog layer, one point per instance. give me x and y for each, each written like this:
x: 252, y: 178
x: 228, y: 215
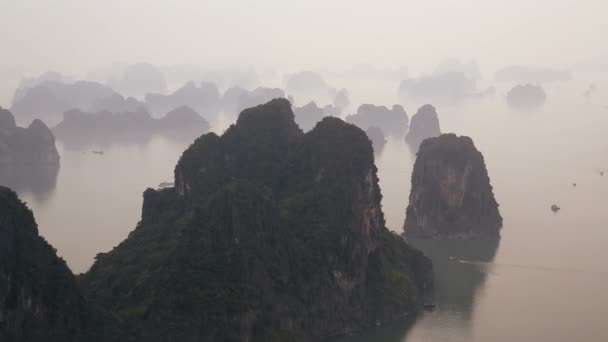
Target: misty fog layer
x: 98, y: 101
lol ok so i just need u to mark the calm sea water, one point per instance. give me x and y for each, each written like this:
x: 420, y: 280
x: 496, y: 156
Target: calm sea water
x: 544, y: 281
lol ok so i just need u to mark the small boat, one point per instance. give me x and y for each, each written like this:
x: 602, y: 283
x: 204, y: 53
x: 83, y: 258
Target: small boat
x: 98, y: 152
x: 555, y: 208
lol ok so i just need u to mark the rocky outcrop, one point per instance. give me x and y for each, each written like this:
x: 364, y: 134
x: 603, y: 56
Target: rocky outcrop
x: 307, y: 116
x: 78, y: 128
x: 39, y: 296
x: 377, y: 138
x: 33, y: 146
x: 28, y: 157
x: 526, y: 96
x: 451, y: 196
x: 392, y: 121
x: 425, y: 124
x: 204, y: 98
x: 268, y: 234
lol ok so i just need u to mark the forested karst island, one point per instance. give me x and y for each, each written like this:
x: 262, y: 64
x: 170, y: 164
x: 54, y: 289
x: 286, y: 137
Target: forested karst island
x: 270, y: 234
x: 451, y: 196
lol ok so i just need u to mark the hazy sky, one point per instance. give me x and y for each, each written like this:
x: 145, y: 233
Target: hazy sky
x: 76, y: 34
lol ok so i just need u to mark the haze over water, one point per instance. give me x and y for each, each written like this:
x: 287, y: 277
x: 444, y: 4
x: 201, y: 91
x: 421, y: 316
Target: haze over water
x: 544, y: 281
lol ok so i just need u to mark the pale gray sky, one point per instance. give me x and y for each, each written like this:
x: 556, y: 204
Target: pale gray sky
x: 71, y: 35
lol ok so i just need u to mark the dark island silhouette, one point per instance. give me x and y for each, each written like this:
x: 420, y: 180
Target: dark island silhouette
x: 40, y: 299
x: 28, y: 157
x: 451, y: 196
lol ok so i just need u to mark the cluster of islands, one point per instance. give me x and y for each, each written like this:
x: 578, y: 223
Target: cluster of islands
x: 271, y: 231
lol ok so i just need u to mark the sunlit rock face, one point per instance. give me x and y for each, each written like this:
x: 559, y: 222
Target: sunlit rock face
x: 451, y: 196
x: 393, y: 121
x: 270, y: 233
x: 39, y: 297
x: 424, y: 124
x: 526, y: 96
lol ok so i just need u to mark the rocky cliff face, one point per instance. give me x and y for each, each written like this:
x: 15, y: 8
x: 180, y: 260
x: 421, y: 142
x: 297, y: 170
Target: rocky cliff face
x: 269, y: 234
x: 451, y: 195
x: 425, y: 124
x: 39, y: 297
